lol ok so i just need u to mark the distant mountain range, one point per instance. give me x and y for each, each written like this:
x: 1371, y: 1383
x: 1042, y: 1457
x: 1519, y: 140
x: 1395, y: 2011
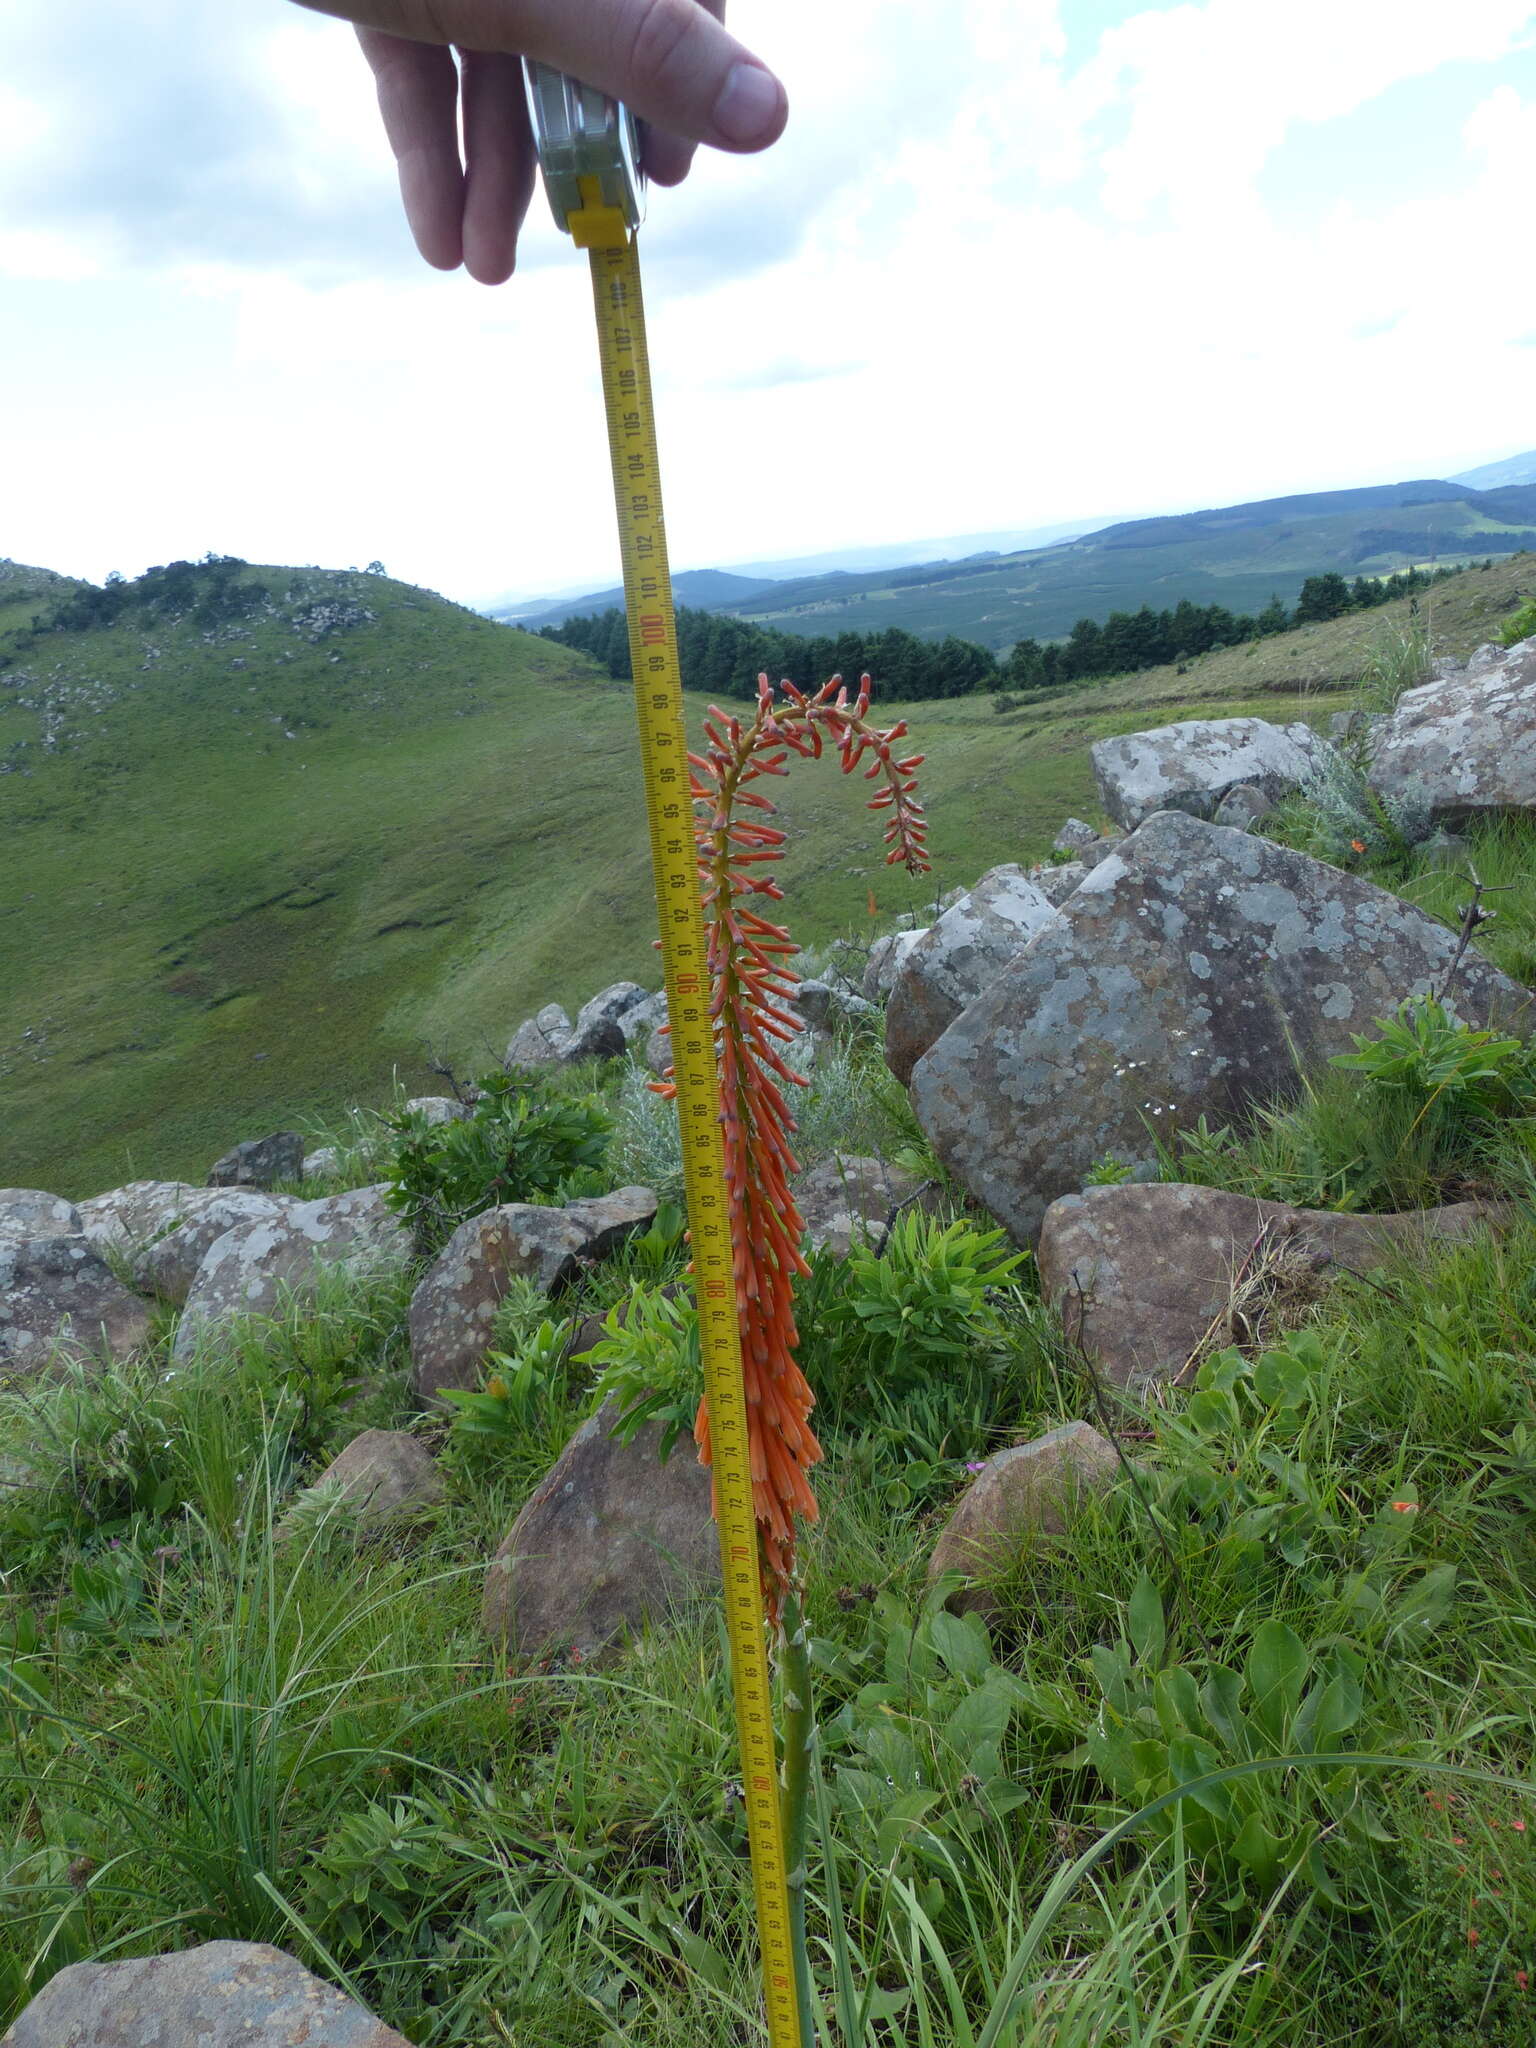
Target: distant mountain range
x: 1495, y: 476
x: 1235, y: 555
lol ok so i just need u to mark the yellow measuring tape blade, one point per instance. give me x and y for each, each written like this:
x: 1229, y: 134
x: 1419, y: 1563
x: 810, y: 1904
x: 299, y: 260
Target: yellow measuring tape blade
x: 664, y: 751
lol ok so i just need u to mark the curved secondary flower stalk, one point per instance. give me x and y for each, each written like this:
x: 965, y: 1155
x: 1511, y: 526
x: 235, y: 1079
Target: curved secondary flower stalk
x: 753, y: 996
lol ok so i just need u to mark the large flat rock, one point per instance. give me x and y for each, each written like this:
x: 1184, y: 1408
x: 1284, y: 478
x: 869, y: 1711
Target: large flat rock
x: 1467, y: 741
x: 1192, y: 764
x: 225, y: 1994
x: 1143, y: 1275
x: 1196, y: 972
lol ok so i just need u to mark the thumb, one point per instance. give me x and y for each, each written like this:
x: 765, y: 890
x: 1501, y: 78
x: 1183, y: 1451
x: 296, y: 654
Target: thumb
x: 670, y: 61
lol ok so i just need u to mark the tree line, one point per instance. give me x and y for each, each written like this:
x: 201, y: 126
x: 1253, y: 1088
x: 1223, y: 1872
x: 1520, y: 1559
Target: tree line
x: 1127, y: 641
x: 724, y: 656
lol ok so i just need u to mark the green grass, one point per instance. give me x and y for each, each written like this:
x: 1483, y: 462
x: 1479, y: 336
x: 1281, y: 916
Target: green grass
x: 211, y: 930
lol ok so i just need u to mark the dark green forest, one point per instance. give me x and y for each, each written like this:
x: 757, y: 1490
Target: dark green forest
x: 724, y: 656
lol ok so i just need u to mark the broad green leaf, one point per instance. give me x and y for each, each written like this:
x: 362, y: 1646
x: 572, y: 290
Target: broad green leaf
x: 1281, y: 1380
x: 1421, y: 1609
x: 1258, y: 1850
x: 1177, y: 1700
x: 1276, y: 1670
x: 1326, y: 1712
x: 1219, y: 1698
x: 961, y: 1641
x: 982, y: 1716
x: 1144, y: 1618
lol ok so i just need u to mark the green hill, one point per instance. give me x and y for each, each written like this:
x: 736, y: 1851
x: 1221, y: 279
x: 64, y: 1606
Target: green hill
x: 270, y: 834
x: 1235, y: 555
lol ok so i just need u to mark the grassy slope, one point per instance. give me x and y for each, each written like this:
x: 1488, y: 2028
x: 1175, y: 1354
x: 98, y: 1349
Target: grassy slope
x: 209, y: 928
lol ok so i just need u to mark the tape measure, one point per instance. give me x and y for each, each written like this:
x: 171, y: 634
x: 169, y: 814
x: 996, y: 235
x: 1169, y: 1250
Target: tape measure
x: 587, y: 148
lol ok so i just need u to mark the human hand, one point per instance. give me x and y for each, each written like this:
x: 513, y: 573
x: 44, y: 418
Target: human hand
x: 670, y: 62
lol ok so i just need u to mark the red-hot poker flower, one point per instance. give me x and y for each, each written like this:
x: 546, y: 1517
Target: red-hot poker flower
x: 753, y: 997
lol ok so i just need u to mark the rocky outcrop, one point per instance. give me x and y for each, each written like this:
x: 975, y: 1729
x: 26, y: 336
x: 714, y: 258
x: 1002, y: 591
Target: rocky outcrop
x: 224, y: 1994
x: 604, y: 1029
x: 1144, y: 1275
x: 168, y: 1266
x: 260, y: 1162
x: 1018, y: 1496
x: 59, y: 1300
x: 253, y: 1267
x: 957, y: 958
x: 1243, y: 807
x: 1466, y: 742
x: 1192, y: 765
x: 826, y: 1007
x: 1056, y: 884
x: 436, y: 1110
x: 125, y: 1218
x: 539, y: 1041
x: 1197, y: 972
x: 611, y: 1539
x: 456, y: 1301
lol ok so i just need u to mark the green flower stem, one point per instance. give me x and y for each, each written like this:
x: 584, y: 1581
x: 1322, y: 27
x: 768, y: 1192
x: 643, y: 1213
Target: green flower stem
x: 799, y: 1724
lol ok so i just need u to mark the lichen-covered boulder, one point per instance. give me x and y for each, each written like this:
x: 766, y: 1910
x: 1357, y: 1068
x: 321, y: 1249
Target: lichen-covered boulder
x: 847, y: 1199
x: 1243, y: 807
x: 436, y: 1110
x: 1018, y: 1496
x: 1467, y: 742
x: 125, y: 1218
x: 29, y: 1212
x: 957, y: 958
x: 601, y: 1030
x: 59, y: 1299
x: 1197, y: 972
x: 252, y: 1267
x: 1075, y: 838
x: 1143, y: 1275
x: 1056, y: 884
x: 224, y: 1994
x: 887, y: 956
x: 168, y: 1266
x: 610, y: 1539
x: 260, y: 1162
x: 1191, y: 765
x: 456, y: 1300
x: 827, y: 1007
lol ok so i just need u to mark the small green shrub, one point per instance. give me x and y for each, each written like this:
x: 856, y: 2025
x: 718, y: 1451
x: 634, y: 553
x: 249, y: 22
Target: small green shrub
x: 1521, y: 626
x: 650, y: 1363
x: 1434, y: 1056
x: 523, y: 1142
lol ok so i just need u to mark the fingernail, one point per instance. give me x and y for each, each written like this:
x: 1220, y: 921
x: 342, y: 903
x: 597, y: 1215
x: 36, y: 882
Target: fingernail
x: 750, y: 106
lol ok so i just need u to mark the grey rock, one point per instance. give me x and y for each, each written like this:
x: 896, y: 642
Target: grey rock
x: 437, y: 1110
x: 385, y: 1476
x: 957, y: 958
x: 1191, y: 765
x: 613, y: 1005
x: 254, y: 1266
x: 1195, y: 973
x: 225, y: 1994
x: 259, y: 1162
x: 29, y: 1212
x: 1466, y: 743
x: 1242, y: 808
x: 1018, y: 1496
x: 602, y: 1039
x: 641, y: 1023
x: 605, y: 1221
x: 611, y: 1539
x: 168, y: 1266
x: 847, y: 1199
x: 539, y: 1041
x: 1143, y: 1275
x: 455, y: 1301
x: 58, y: 1299
x: 321, y: 1164
x: 1075, y: 837
x: 886, y: 958
x: 1056, y: 884
x: 826, y: 1007
x: 125, y: 1218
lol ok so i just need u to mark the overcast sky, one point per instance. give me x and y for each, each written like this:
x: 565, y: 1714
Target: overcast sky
x: 1014, y: 262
